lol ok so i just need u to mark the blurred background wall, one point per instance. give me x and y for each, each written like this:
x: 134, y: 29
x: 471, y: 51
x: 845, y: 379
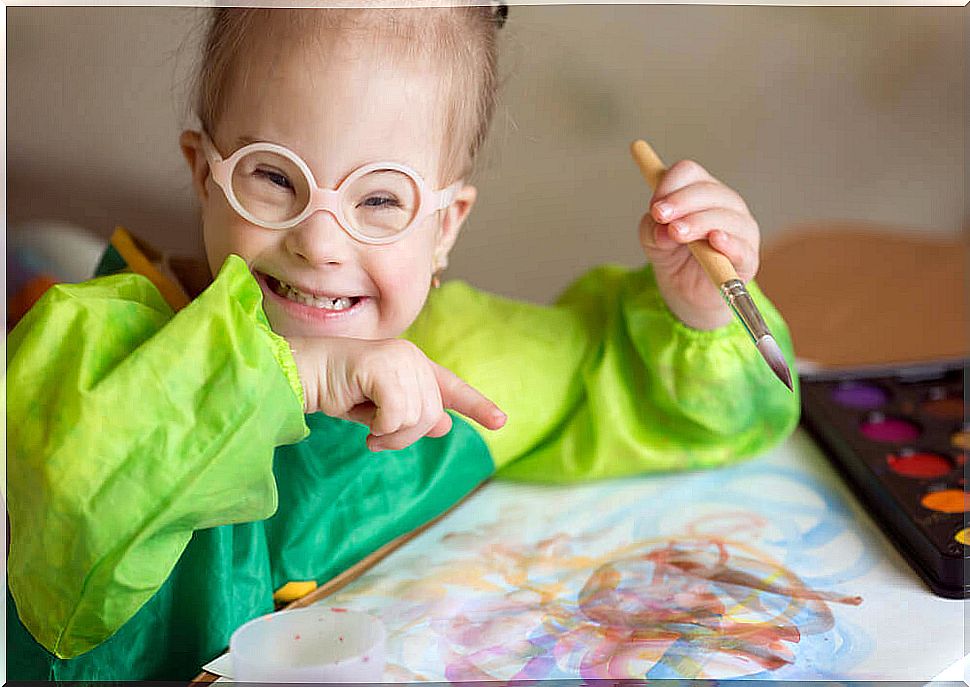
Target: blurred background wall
x: 813, y: 114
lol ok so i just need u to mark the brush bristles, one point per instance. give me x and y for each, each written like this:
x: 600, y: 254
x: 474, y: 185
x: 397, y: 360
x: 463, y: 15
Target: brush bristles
x: 771, y: 352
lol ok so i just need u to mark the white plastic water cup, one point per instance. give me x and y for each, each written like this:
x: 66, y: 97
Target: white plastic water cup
x: 313, y: 644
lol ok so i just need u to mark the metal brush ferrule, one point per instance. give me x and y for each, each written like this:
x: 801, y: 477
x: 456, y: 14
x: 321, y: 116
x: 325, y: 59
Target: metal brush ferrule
x: 737, y: 296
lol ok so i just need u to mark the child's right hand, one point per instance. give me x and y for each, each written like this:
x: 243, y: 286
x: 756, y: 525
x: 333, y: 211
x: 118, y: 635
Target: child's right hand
x: 389, y: 385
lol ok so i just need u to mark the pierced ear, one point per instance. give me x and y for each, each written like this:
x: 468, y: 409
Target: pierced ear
x: 191, y: 144
x: 451, y: 223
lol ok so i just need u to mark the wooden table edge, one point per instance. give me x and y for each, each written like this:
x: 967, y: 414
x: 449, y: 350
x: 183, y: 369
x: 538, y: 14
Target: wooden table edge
x: 354, y: 571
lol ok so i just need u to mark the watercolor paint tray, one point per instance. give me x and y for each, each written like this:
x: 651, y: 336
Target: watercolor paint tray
x: 900, y: 438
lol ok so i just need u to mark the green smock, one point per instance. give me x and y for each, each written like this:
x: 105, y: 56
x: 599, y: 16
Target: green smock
x: 163, y: 480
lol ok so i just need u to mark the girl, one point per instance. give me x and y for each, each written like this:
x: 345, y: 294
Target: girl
x: 170, y: 467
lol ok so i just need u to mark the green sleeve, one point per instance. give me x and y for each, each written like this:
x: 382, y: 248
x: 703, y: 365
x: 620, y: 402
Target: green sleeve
x: 608, y: 382
x: 129, y: 427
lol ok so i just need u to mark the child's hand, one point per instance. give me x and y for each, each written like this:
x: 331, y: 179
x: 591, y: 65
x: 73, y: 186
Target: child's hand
x: 388, y: 385
x: 687, y: 205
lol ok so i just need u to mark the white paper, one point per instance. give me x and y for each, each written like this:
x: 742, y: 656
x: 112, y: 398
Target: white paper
x: 221, y: 666
x: 766, y: 569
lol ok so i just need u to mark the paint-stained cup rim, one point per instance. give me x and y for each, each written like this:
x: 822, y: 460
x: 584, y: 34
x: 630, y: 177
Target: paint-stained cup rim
x: 314, y: 644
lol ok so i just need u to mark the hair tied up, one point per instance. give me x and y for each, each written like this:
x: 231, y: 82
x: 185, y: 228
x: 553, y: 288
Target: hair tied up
x: 501, y: 13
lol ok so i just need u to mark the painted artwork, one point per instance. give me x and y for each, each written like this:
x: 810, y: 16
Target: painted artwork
x: 766, y: 569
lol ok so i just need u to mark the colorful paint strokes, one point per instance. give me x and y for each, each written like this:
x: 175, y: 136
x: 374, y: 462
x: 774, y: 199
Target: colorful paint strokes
x: 684, y: 608
x: 728, y: 573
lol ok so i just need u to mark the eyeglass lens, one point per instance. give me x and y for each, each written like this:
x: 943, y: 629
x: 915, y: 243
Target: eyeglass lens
x: 272, y: 188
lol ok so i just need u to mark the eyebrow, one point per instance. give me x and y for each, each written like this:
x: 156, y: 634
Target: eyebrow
x: 246, y: 140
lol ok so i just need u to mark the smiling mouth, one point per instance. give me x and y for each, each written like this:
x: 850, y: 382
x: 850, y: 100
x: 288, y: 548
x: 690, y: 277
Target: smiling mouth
x: 292, y: 293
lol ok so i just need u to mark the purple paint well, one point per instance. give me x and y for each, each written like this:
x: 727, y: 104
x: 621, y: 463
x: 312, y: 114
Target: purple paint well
x: 889, y: 429
x: 859, y: 395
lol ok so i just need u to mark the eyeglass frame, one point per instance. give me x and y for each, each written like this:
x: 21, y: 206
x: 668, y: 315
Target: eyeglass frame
x: 322, y: 198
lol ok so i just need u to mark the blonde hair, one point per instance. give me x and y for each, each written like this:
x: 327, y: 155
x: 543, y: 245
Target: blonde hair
x: 462, y: 40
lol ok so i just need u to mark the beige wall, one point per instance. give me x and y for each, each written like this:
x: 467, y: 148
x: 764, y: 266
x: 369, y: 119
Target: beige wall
x: 812, y: 113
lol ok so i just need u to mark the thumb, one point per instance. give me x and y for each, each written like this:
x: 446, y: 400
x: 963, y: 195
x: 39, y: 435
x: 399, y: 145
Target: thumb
x: 655, y: 238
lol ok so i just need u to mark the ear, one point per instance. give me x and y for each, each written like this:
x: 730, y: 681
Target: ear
x: 454, y: 217
x: 191, y: 144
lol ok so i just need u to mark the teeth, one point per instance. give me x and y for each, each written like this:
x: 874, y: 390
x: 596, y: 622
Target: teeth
x: 294, y: 294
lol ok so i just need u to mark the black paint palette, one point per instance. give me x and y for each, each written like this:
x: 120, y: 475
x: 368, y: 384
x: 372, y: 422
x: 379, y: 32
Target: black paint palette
x: 900, y: 437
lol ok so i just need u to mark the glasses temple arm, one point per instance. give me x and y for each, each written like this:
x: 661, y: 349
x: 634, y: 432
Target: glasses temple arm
x: 446, y: 196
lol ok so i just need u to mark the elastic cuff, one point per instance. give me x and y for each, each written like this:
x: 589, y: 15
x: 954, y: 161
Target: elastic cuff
x: 731, y: 329
x: 657, y: 303
x: 251, y: 299
x: 284, y: 356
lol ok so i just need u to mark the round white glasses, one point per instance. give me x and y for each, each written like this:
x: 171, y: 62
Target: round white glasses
x: 272, y: 187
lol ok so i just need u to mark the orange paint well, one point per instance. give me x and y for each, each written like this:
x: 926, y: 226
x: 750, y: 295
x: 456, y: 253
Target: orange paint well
x: 947, y: 501
x: 961, y: 439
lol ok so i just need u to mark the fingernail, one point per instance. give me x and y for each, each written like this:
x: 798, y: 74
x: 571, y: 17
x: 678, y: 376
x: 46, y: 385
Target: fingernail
x: 679, y: 229
x: 663, y: 209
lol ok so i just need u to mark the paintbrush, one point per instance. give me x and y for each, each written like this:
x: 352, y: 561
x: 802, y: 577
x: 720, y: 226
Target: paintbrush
x: 722, y: 273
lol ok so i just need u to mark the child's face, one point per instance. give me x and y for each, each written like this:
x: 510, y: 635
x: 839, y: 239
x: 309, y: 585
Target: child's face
x: 338, y: 109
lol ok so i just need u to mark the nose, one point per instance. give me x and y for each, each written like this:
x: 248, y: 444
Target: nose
x: 319, y: 240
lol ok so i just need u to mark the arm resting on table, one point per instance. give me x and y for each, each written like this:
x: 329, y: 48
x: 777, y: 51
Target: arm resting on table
x: 128, y: 428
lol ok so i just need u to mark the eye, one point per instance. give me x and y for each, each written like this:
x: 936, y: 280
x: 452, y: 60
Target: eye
x: 381, y: 202
x: 274, y: 177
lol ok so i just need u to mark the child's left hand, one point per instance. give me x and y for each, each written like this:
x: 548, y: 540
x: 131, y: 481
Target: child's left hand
x: 689, y: 204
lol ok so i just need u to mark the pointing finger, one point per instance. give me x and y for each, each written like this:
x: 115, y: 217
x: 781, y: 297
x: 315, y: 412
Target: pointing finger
x: 459, y: 395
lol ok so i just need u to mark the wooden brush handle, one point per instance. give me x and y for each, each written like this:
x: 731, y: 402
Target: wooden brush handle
x: 717, y: 266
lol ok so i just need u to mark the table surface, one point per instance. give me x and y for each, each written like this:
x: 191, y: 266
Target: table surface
x: 766, y: 569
